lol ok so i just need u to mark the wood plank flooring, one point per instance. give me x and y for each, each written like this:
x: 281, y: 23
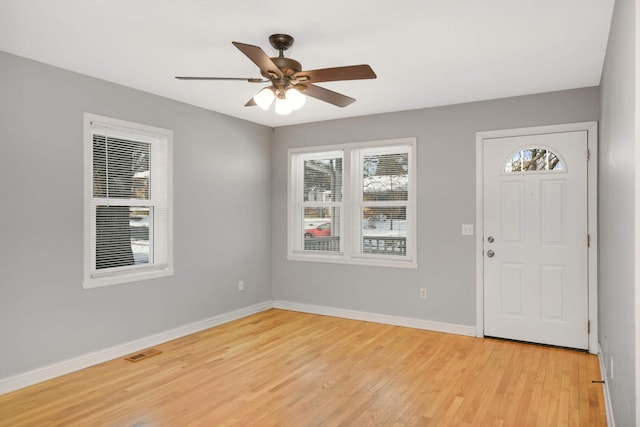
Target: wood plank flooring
x: 282, y: 368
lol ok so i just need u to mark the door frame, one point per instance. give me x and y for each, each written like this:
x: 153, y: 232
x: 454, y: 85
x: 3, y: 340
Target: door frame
x: 592, y: 215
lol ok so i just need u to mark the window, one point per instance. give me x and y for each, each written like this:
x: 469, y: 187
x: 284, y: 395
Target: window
x: 354, y: 203
x: 127, y: 202
x: 533, y: 159
x: 321, y: 196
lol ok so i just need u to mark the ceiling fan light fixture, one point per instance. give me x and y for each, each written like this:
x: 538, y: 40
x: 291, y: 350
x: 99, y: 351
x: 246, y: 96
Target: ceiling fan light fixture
x: 283, y: 106
x: 297, y: 99
x: 264, y: 98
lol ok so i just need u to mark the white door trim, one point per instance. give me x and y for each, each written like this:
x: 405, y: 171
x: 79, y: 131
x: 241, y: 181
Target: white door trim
x: 592, y: 215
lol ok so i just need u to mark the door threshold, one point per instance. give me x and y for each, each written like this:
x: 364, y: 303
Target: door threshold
x: 560, y: 347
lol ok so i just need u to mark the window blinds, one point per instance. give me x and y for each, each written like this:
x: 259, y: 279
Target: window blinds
x: 129, y: 205
x: 384, y: 201
x: 322, y: 201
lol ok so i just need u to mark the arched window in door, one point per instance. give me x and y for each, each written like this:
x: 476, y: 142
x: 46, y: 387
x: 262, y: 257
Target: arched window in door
x: 534, y: 159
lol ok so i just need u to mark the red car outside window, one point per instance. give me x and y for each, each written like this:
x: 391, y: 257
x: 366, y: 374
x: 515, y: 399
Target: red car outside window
x: 320, y: 231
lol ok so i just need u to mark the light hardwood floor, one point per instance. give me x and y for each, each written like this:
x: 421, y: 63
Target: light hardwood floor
x: 282, y: 368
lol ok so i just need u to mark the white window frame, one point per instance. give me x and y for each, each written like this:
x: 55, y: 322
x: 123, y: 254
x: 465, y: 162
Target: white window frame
x: 350, y: 226
x: 161, y: 235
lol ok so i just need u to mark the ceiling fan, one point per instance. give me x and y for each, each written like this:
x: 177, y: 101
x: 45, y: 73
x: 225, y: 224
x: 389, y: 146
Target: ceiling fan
x: 289, y: 83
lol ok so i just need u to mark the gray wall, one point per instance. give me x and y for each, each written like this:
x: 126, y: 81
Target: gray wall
x: 446, y: 199
x: 222, y: 222
x: 616, y: 213
x: 230, y: 213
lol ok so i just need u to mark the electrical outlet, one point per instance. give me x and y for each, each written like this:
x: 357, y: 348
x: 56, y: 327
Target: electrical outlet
x: 241, y: 285
x: 467, y: 229
x: 423, y: 293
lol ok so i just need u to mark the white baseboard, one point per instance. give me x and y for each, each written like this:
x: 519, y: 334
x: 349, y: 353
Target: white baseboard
x: 386, y: 319
x: 48, y: 372
x: 57, y: 369
x: 605, y: 388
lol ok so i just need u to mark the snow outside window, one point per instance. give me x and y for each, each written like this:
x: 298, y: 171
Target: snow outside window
x: 127, y: 202
x: 354, y: 203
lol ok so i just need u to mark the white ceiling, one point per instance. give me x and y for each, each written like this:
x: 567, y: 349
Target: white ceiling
x: 425, y: 52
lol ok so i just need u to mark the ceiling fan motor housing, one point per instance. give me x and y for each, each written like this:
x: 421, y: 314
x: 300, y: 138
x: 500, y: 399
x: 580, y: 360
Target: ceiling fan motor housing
x: 288, y: 66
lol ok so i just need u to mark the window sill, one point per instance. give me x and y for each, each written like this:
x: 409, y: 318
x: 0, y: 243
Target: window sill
x: 119, y: 279
x: 340, y: 259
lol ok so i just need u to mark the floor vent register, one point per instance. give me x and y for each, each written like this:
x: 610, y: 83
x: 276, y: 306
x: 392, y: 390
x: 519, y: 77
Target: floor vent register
x: 145, y: 354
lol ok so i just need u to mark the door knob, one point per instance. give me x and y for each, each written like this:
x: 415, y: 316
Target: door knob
x: 490, y: 239
x: 490, y: 253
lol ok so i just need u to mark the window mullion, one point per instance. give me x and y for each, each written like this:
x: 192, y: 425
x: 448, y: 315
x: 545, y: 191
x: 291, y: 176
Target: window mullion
x: 349, y: 209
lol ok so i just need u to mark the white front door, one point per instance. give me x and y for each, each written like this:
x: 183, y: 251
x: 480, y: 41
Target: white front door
x: 535, y: 238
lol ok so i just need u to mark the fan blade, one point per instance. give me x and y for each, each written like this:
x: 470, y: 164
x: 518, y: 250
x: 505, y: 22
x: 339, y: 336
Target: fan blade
x: 250, y: 103
x: 259, y: 58
x: 329, y: 96
x: 249, y: 79
x: 351, y: 72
